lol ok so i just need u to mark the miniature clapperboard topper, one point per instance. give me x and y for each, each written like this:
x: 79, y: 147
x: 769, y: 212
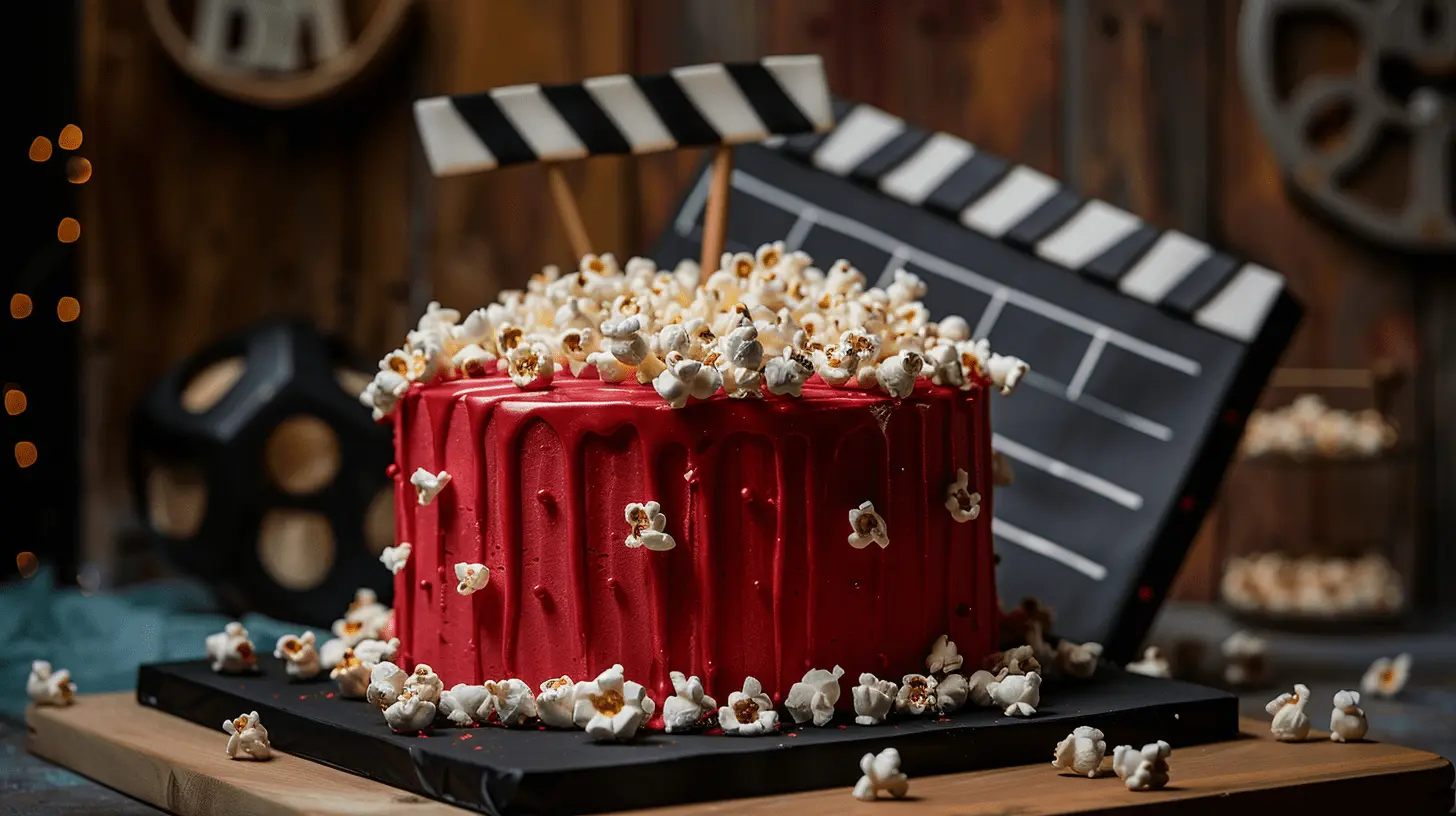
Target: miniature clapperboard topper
x: 1148, y: 347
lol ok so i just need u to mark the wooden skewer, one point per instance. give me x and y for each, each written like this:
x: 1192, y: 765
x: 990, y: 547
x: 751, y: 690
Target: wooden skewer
x: 566, y: 208
x: 715, y: 223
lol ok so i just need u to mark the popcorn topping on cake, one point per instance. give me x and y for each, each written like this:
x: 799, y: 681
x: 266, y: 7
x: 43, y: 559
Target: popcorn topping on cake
x: 960, y: 501
x: 647, y: 525
x: 866, y: 527
x: 766, y: 321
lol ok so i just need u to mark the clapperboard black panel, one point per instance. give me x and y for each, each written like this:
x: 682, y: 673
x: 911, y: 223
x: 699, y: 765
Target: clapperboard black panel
x: 1147, y: 347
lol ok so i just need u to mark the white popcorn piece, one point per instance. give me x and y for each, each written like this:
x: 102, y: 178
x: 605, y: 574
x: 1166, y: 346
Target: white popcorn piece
x: 834, y: 368
x: 980, y: 687
x: 873, y: 699
x: 960, y: 501
x: 437, y: 317
x: 473, y: 361
x: 896, y: 376
x: 741, y: 348
x: 556, y: 704
x: 373, y: 652
x: 975, y: 357
x: 352, y: 675
x: 424, y: 683
x: 463, y: 704
x: 1006, y: 372
x: 409, y: 713
x: 612, y: 708
x: 881, y: 773
x: 1018, y: 660
x: 1246, y: 662
x: 531, y: 366
x: 906, y: 288
x: 787, y: 373
x: 383, y: 393
x: 742, y: 383
x: 1019, y: 694
x: 951, y: 693
x: 683, y: 377
x: 867, y: 527
x: 944, y: 363
x: 475, y: 330
x: 367, y: 611
x: 46, y: 686
x: 814, y: 697
x: 944, y: 656
x: 1347, y: 720
x: 689, y: 706
x: 428, y: 485
x: 750, y: 712
x: 299, y: 655
x: 916, y: 695
x: 1142, y: 770
x: 955, y: 328
x: 1290, y: 723
x: 386, y: 683
x: 511, y: 701
x: 247, y: 737
x: 609, y: 369
x: 573, y: 347
x: 626, y: 342
x: 471, y: 577
x: 1077, y: 659
x: 1081, y: 752
x: 648, y: 527
x: 394, y: 558
x: 230, y: 651
x: 1153, y: 664
x: 1386, y: 676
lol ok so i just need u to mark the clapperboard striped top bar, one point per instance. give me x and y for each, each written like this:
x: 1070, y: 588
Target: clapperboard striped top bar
x: 696, y: 106
x: 1028, y: 209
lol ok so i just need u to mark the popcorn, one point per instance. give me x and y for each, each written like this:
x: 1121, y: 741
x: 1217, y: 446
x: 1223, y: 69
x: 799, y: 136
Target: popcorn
x: 917, y: 694
x: 230, y: 651
x: 813, y: 698
x: 1386, y: 676
x: 424, y: 683
x: 428, y: 485
x: 1081, y: 752
x: 960, y: 501
x: 394, y: 558
x: 464, y: 705
x: 1247, y: 664
x: 1142, y: 770
x: 47, y: 687
x: 944, y: 364
x: 647, y: 525
x: 1153, y: 664
x: 352, y: 675
x: 688, y: 707
x: 683, y: 377
x: 556, y: 704
x: 1077, y: 659
x: 1347, y: 721
x: 511, y: 700
x: 386, y: 683
x: 980, y: 686
x: 749, y: 712
x: 1019, y: 693
x: 410, y: 713
x: 383, y: 393
x: 866, y: 527
x: 476, y: 331
x: 472, y: 578
x: 300, y: 658
x: 612, y: 708
x: 1006, y: 372
x: 1290, y: 723
x: 247, y: 737
x: 742, y: 383
x: 906, y: 288
x: 873, y: 698
x: 944, y: 656
x: 531, y: 366
x: 373, y: 652
x: 951, y: 693
x: 1020, y: 660
x: 787, y: 373
x: 897, y: 375
x: 573, y: 347
x: 954, y: 328
x: 608, y: 368
x: 741, y: 348
x: 881, y: 773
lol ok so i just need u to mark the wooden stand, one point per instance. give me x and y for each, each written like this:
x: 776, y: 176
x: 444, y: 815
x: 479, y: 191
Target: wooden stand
x: 181, y: 767
x: 715, y: 221
x: 571, y: 218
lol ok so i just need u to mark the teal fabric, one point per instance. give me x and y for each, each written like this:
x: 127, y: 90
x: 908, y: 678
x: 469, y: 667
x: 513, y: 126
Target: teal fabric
x: 103, y: 637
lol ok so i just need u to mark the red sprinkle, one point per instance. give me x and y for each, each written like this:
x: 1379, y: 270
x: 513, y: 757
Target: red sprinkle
x: 303, y: 696
x: 1186, y: 503
x: 466, y: 736
x: 423, y: 735
x: 391, y: 471
x: 477, y: 747
x: 329, y: 696
x: 1145, y: 593
x: 842, y: 727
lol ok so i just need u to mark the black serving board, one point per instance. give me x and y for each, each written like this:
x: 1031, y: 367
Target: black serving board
x: 534, y: 771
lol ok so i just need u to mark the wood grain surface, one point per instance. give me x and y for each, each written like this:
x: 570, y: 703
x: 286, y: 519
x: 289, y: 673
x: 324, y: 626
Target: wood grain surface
x: 182, y: 767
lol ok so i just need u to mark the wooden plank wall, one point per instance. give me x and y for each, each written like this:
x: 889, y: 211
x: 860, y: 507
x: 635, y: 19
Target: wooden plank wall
x: 207, y: 216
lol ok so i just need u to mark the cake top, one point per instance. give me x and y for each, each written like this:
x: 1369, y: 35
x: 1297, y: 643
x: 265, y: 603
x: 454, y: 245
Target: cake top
x: 766, y: 322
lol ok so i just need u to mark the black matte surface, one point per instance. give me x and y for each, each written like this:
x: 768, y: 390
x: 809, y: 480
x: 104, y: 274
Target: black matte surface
x: 534, y: 771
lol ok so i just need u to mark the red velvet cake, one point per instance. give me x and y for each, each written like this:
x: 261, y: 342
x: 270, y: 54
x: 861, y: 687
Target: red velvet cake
x: 725, y: 538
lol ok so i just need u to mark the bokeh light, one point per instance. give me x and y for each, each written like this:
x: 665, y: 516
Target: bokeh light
x: 20, y: 306
x: 40, y: 149
x: 15, y: 401
x: 25, y: 454
x: 70, y: 137
x: 27, y: 563
x: 78, y: 170
x: 69, y: 230
x: 68, y: 309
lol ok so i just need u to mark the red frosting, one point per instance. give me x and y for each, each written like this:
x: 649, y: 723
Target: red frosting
x: 757, y: 494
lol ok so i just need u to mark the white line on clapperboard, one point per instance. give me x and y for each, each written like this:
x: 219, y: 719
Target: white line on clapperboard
x: 1041, y: 546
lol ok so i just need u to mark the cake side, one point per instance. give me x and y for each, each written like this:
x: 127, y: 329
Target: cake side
x: 756, y: 496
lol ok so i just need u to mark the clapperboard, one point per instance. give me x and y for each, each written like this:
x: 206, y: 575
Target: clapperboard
x: 1148, y: 347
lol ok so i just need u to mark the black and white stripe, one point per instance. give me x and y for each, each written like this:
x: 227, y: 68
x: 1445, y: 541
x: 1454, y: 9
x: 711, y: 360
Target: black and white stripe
x: 1032, y: 211
x: 695, y: 106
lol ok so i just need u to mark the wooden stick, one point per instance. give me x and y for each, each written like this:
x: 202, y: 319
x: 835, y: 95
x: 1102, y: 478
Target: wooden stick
x: 715, y: 224
x: 566, y: 208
